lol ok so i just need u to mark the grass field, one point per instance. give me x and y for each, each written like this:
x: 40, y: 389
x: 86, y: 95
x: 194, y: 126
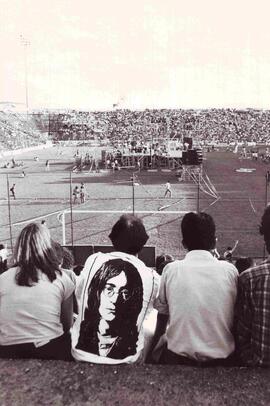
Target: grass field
x: 41, y: 194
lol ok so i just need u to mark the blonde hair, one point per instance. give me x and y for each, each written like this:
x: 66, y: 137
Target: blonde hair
x: 33, y: 252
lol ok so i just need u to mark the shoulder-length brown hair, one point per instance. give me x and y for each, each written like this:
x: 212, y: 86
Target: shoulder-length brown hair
x: 33, y: 252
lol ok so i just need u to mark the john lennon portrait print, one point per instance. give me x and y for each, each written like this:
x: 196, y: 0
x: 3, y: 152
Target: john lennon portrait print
x: 115, y: 297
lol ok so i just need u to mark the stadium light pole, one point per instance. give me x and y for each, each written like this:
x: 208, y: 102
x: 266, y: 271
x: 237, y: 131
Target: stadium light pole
x: 25, y: 43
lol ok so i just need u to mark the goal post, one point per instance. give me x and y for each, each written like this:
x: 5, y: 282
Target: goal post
x: 62, y: 217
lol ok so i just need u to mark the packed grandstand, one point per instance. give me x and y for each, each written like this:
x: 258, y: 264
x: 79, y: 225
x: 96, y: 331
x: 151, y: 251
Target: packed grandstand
x: 214, y: 126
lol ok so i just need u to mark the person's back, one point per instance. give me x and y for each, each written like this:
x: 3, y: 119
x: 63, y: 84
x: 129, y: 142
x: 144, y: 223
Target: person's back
x: 115, y: 293
x: 196, y: 299
x: 35, y: 300
x: 200, y: 293
x: 34, y: 313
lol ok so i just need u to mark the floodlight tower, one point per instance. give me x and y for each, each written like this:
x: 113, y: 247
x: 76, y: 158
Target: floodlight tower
x: 25, y: 43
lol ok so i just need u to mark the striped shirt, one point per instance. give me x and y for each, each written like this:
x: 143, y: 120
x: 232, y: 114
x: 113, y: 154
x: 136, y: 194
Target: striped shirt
x: 252, y: 315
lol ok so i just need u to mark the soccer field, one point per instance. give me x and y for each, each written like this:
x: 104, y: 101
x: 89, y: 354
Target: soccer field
x: 45, y: 195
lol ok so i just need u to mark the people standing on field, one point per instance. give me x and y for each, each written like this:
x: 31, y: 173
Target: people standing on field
x: 168, y: 189
x: 12, y: 190
x: 76, y: 194
x: 82, y: 193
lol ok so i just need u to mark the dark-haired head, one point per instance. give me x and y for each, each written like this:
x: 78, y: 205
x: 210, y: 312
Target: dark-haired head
x: 198, y: 231
x: 64, y: 255
x: 161, y: 261
x: 265, y: 227
x: 34, y: 252
x: 243, y: 263
x: 128, y: 234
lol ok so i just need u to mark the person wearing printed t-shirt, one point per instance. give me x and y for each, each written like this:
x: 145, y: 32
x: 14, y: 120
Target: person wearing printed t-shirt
x: 115, y: 294
x: 196, y: 302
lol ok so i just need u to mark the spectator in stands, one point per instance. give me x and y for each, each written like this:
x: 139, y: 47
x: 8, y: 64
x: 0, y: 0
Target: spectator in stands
x: 115, y: 293
x: 252, y: 314
x: 66, y: 261
x: 3, y: 258
x: 65, y: 257
x: 35, y: 300
x: 243, y: 263
x: 196, y: 298
x: 161, y: 261
x: 229, y: 251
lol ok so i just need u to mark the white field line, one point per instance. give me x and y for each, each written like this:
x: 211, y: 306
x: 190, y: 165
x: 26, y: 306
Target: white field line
x: 127, y: 211
x: 36, y: 218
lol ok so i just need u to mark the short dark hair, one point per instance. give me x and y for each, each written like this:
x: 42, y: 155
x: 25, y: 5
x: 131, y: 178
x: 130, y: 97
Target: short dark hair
x: 128, y: 234
x: 161, y: 261
x: 198, y: 231
x: 265, y: 227
x: 243, y: 263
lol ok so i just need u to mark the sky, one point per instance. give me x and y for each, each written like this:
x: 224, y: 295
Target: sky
x: 90, y: 55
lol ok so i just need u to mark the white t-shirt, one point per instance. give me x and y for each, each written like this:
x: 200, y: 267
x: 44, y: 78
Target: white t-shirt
x: 198, y: 293
x: 4, y: 254
x: 115, y: 293
x: 32, y: 314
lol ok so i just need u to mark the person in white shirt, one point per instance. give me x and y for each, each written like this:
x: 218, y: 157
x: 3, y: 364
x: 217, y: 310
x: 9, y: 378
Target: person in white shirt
x: 3, y: 258
x: 196, y: 301
x: 36, y: 303
x: 168, y: 190
x: 115, y: 294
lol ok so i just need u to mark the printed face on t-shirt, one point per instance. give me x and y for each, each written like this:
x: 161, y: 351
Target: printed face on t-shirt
x: 109, y: 297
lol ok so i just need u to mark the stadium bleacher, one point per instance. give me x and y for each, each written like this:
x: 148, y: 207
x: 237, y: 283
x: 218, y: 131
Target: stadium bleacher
x: 18, y: 130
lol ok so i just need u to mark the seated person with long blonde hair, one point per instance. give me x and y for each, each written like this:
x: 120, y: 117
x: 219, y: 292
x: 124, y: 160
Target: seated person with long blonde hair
x: 36, y: 300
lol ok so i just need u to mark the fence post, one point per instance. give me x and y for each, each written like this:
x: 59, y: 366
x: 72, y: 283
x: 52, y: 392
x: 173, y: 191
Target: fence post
x: 70, y: 203
x: 9, y: 216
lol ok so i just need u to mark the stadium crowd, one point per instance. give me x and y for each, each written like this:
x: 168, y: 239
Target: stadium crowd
x: 19, y: 131
x: 199, y: 311
x: 206, y: 126
x: 213, y: 126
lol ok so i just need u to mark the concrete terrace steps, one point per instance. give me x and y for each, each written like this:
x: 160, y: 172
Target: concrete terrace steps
x: 35, y: 382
